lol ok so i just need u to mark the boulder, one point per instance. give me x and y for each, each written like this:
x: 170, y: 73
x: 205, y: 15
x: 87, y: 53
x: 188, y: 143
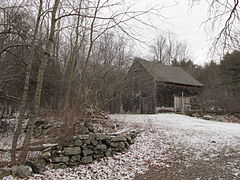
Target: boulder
x: 207, y: 117
x: 72, y: 150
x: 46, y: 155
x: 118, y: 138
x: 61, y: 159
x: 130, y: 140
x: 87, y: 160
x: 87, y: 152
x: 37, y: 167
x: 78, y: 142
x: 98, y: 156
x: 122, y: 146
x: 100, y: 136
x: 87, y: 142
x: 22, y: 171
x: 127, y: 144
x: 73, y: 163
x: 94, y: 142
x: 75, y: 158
x: 113, y: 144
x: 108, y: 152
x: 83, y: 137
x: 101, y: 147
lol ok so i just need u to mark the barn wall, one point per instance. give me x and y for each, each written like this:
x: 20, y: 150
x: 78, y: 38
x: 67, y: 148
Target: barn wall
x: 167, y: 91
x: 139, y: 91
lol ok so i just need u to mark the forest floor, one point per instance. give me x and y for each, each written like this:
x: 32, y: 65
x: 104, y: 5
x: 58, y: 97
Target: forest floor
x: 170, y: 146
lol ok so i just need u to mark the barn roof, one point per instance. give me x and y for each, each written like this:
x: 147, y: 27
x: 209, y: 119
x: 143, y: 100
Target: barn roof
x: 170, y: 74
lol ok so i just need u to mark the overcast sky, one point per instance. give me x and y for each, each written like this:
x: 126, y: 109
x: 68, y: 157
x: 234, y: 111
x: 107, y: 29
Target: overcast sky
x: 181, y: 19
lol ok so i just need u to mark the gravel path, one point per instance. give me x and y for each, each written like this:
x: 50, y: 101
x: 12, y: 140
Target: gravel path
x: 225, y: 167
x: 197, y: 149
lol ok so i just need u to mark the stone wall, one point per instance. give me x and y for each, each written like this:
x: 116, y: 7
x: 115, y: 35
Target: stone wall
x: 84, y: 149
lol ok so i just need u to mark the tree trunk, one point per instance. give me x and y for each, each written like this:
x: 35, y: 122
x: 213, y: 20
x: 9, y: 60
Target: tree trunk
x: 73, y: 59
x: 48, y: 51
x: 26, y: 86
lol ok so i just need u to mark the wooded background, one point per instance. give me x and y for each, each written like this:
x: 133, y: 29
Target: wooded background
x: 60, y: 55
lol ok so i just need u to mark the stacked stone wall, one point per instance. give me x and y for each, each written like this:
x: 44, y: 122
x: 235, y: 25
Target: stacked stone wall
x: 86, y: 148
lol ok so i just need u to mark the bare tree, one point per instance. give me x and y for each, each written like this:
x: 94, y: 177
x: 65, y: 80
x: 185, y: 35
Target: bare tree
x: 223, y: 17
x: 46, y: 57
x: 168, y: 50
x: 26, y: 86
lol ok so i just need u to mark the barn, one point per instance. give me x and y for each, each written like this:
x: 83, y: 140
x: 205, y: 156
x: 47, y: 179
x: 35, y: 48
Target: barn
x: 150, y: 87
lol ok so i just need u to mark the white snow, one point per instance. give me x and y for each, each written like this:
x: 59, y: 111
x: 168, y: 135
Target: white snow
x: 161, y: 133
x: 189, y: 131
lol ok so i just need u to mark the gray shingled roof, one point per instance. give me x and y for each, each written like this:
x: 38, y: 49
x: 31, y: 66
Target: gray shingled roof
x: 170, y: 74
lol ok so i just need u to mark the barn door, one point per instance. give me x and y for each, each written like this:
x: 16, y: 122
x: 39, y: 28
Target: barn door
x: 144, y: 105
x: 177, y: 103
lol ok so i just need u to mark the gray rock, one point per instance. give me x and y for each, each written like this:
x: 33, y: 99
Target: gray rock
x: 4, y: 173
x: 108, y: 152
x: 73, y: 163
x: 108, y: 142
x: 129, y: 137
x: 88, y: 147
x: 130, y: 140
x: 78, y: 142
x: 46, y: 156
x: 37, y: 166
x: 122, y: 145
x: 100, y: 136
x: 87, y: 152
x: 87, y: 142
x: 98, y: 156
x: 113, y: 144
x: 94, y: 142
x: 75, y: 158
x: 22, y: 171
x: 72, y: 150
x: 118, y: 138
x: 60, y: 159
x: 127, y: 144
x: 207, y: 117
x: 98, y: 152
x: 83, y: 137
x: 114, y: 152
x: 83, y: 130
x: 117, y: 149
x: 101, y: 147
x: 87, y: 159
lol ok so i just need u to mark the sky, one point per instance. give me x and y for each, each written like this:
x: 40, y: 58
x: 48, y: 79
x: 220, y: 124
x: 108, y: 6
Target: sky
x: 180, y: 18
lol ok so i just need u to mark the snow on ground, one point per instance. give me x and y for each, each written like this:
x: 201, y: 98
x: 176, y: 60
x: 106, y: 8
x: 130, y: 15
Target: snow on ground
x: 202, y: 135
x: 154, y: 146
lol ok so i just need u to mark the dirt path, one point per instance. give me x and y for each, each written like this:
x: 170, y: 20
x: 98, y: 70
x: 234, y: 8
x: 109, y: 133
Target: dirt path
x: 182, y: 167
x: 197, y: 149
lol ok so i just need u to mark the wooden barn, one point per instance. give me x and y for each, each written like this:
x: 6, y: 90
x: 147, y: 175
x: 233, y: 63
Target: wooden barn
x: 151, y: 87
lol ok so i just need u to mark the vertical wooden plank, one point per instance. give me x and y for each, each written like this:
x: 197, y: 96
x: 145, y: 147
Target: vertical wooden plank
x: 182, y: 103
x: 175, y: 104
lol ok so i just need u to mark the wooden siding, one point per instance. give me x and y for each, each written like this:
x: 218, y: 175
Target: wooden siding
x: 139, y: 92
